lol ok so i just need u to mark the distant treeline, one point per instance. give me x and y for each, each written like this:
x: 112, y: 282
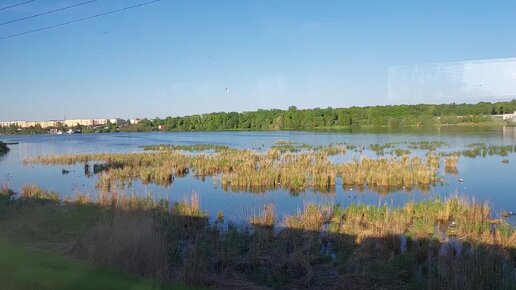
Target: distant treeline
x: 306, y: 119
x: 310, y: 119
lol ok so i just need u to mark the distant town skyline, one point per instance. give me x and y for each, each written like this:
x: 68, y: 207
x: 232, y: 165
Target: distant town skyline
x: 176, y: 58
x: 67, y: 122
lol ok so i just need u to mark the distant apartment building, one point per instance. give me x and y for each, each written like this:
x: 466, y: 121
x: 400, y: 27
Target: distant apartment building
x: 10, y: 123
x: 68, y: 122
x: 50, y: 124
x: 117, y: 121
x: 99, y: 122
x: 75, y: 122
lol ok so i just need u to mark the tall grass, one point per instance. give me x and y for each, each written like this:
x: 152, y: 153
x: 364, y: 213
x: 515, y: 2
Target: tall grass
x: 453, y: 243
x: 267, y: 218
x: 34, y: 192
x: 252, y: 171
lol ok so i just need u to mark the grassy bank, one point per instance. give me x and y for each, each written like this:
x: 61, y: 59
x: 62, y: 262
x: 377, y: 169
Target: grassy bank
x: 439, y: 244
x: 22, y: 267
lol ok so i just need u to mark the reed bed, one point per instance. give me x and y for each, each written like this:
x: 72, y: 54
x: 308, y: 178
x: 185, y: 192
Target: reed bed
x: 393, y: 172
x: 247, y: 170
x: 191, y: 148
x: 289, y: 146
x: 483, y: 150
x: 427, y: 145
x: 292, y: 147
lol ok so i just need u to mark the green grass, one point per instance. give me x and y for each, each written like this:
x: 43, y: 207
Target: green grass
x: 23, y: 268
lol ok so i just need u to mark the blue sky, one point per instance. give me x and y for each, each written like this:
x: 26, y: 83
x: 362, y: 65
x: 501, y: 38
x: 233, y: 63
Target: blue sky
x: 177, y: 57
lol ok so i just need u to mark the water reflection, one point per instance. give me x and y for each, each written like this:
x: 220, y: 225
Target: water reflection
x: 488, y: 179
x: 509, y: 132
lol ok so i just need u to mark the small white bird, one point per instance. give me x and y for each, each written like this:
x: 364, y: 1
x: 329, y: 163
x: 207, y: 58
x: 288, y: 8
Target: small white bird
x: 227, y: 91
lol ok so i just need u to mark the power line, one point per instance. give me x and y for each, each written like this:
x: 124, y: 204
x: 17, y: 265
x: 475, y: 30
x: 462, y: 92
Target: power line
x: 14, y: 5
x: 47, y: 12
x: 79, y: 20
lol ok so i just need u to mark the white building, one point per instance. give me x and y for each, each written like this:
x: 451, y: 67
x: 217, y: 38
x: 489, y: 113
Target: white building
x: 69, y: 123
x: 509, y: 116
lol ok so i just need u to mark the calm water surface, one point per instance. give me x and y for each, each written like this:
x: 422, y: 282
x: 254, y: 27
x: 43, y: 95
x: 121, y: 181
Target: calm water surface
x: 485, y: 179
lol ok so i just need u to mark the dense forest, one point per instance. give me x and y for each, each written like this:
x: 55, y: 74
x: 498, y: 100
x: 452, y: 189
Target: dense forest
x: 310, y: 119
x: 307, y: 119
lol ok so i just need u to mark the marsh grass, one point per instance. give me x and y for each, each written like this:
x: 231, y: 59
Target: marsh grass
x: 34, y: 192
x: 390, y: 173
x: 483, y: 150
x: 6, y: 191
x: 427, y: 145
x: 284, y: 146
x: 247, y: 170
x: 191, y: 148
x: 190, y: 207
x: 447, y: 244
x: 450, y: 164
x: 267, y: 218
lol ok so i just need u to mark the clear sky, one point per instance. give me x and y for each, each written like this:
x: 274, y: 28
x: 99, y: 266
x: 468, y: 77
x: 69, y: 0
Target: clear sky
x: 176, y: 57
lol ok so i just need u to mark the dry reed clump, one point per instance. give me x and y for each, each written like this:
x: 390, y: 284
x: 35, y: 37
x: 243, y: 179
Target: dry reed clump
x: 35, y: 192
x: 267, y: 218
x: 450, y: 164
x: 6, y: 191
x: 189, y: 207
x: 311, y: 219
x: 403, y: 172
x: 80, y: 198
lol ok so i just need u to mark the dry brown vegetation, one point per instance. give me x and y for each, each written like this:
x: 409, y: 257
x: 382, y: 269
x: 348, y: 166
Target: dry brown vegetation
x: 249, y: 170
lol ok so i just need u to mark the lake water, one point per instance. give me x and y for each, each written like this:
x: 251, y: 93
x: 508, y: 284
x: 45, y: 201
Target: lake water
x: 486, y: 179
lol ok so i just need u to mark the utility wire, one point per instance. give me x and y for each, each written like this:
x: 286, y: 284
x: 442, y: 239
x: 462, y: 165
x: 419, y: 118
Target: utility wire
x: 14, y: 5
x: 79, y: 19
x: 47, y: 12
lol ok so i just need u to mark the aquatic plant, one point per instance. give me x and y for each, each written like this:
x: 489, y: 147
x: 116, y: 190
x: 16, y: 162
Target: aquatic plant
x: 450, y: 164
x: 190, y: 147
x: 3, y: 148
x: 189, y: 207
x: 427, y: 145
x: 481, y: 149
x: 289, y: 146
x: 37, y: 193
x: 253, y: 171
x: 267, y: 218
